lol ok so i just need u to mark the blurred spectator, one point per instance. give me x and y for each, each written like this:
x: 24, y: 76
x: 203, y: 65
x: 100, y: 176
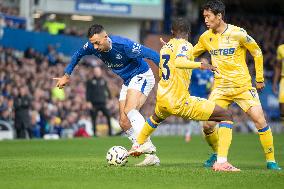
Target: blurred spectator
x: 53, y: 27
x: 22, y: 105
x: 97, y: 93
x: 2, y: 26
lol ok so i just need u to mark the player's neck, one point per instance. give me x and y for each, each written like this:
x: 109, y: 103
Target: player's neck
x: 221, y: 28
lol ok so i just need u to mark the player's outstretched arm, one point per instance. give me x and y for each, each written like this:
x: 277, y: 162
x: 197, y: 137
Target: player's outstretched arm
x: 183, y: 63
x: 62, y: 81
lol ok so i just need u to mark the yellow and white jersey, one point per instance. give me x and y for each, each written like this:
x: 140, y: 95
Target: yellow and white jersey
x: 228, y: 54
x: 173, y: 86
x: 280, y: 57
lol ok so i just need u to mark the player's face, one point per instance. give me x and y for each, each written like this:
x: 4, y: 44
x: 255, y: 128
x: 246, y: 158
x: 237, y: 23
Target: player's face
x: 211, y: 20
x: 100, y: 41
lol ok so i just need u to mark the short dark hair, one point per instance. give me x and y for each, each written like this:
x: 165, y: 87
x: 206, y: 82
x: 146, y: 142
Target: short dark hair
x: 216, y: 6
x: 95, y: 29
x: 180, y: 25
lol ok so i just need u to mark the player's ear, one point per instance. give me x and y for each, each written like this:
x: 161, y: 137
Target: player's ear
x: 219, y: 15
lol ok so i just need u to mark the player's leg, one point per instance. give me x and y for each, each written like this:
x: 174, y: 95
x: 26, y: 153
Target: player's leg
x: 265, y: 135
x: 149, y: 127
x: 224, y: 138
x: 134, y: 100
x: 250, y: 103
x: 202, y: 109
x: 137, y: 92
x: 123, y: 119
x: 210, y: 131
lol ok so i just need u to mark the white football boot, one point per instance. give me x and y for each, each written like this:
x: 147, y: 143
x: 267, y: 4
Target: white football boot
x: 150, y: 160
x: 146, y: 148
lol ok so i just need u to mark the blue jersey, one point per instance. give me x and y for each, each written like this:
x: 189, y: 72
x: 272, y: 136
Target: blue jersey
x: 199, y: 82
x: 125, y: 58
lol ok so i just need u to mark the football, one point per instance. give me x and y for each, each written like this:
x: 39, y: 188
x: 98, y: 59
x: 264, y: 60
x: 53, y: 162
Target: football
x: 117, y: 156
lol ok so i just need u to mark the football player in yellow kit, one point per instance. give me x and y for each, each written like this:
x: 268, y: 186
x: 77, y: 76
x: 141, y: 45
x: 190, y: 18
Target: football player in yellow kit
x: 279, y: 71
x: 173, y: 98
x: 227, y: 45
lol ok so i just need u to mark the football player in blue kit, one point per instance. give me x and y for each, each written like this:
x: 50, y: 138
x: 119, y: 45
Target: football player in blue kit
x: 125, y: 58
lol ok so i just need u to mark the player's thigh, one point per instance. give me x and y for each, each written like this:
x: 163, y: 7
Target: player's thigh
x: 196, y: 108
x: 247, y: 99
x: 134, y: 100
x: 281, y: 91
x: 130, y: 98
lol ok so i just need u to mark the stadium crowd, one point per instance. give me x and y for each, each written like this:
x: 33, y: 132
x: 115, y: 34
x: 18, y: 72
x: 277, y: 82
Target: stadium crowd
x: 51, y: 110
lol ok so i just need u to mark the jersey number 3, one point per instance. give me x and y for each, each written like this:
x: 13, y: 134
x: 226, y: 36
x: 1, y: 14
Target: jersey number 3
x: 166, y: 71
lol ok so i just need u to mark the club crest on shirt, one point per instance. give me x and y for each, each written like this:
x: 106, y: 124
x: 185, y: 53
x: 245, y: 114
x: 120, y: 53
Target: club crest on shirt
x: 85, y: 46
x: 118, y: 56
x: 136, y: 48
x: 248, y: 38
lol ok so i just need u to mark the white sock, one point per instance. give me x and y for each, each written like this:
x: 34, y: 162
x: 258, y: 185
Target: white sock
x: 137, y: 121
x: 221, y: 159
x: 130, y: 135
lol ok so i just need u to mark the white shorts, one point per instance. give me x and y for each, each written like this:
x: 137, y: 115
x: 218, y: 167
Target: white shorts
x: 142, y: 82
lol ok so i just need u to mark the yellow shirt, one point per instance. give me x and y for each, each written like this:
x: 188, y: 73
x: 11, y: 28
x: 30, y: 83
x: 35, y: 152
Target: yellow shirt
x: 280, y: 57
x: 228, y: 54
x: 173, y: 86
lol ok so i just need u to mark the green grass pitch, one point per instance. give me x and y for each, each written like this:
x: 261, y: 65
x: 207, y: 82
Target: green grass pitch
x: 80, y: 163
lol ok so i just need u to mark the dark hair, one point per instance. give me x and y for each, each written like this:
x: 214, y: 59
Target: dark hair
x: 95, y: 29
x: 216, y: 6
x: 180, y: 25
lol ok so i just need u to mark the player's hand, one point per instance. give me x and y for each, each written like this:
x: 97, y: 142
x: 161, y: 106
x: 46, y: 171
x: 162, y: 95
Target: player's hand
x: 274, y: 89
x: 259, y: 85
x: 162, y: 41
x: 206, y: 66
x: 62, y: 81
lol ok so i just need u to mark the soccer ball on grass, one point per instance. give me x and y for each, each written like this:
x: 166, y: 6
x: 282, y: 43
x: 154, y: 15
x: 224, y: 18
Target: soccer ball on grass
x: 117, y: 156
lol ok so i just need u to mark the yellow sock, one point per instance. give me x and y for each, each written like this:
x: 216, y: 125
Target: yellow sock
x: 149, y: 127
x: 225, y: 138
x: 266, y: 140
x: 212, y: 139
